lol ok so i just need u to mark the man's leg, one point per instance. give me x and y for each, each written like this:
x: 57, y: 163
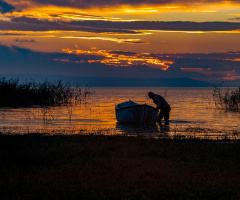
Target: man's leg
x: 166, y: 118
x: 159, y: 120
x: 166, y: 115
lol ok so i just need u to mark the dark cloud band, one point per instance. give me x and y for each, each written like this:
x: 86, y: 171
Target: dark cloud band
x: 5, y: 7
x: 33, y: 24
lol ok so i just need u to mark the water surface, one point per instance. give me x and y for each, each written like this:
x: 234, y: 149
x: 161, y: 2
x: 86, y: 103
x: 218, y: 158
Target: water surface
x: 193, y: 113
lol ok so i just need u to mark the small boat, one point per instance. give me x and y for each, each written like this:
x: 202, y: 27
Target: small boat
x: 131, y: 112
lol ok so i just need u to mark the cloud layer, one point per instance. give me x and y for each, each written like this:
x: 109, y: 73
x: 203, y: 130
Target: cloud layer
x: 34, y: 24
x: 204, y: 67
x: 103, y: 3
x: 5, y: 7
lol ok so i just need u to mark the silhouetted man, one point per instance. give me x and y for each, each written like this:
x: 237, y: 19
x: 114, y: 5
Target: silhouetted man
x: 163, y: 105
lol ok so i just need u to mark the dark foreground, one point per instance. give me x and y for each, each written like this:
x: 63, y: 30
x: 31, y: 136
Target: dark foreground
x: 115, y: 167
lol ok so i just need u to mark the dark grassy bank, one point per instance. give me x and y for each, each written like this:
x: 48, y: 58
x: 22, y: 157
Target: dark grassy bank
x: 115, y: 167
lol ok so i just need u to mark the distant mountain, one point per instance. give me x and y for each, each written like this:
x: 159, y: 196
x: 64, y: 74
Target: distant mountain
x: 115, y: 81
x: 137, y: 82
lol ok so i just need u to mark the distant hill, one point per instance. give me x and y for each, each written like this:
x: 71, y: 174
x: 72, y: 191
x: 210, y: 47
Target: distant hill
x: 115, y: 81
x: 137, y: 82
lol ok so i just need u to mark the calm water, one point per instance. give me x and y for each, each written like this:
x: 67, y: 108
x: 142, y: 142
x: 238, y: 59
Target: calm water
x: 193, y: 113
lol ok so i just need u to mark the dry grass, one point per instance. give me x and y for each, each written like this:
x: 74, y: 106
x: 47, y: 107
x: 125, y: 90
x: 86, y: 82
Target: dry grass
x: 227, y: 99
x: 15, y: 94
x: 117, y: 167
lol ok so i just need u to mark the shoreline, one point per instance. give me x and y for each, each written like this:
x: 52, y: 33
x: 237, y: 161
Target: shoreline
x: 34, y: 166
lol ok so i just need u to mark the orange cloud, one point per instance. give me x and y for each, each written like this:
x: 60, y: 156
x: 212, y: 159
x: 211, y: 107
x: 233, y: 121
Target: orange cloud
x: 231, y: 77
x: 113, y: 10
x: 118, y: 40
x: 100, y: 4
x: 53, y: 13
x: 121, y: 59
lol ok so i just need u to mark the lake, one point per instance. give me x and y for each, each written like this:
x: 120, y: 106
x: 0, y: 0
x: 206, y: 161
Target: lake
x: 193, y: 114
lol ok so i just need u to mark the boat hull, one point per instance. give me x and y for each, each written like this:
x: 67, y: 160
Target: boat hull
x: 137, y: 114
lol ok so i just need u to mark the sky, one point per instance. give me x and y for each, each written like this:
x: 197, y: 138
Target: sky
x: 138, y: 38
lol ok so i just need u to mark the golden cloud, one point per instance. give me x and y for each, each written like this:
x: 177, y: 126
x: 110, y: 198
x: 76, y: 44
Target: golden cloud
x: 121, y: 59
x: 118, y: 40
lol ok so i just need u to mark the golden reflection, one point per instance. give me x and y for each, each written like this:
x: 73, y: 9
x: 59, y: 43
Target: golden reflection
x: 120, y: 59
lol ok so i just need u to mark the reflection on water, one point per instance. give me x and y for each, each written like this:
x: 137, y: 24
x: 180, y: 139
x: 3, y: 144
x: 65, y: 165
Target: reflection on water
x: 150, y: 130
x: 135, y: 129
x: 193, y: 114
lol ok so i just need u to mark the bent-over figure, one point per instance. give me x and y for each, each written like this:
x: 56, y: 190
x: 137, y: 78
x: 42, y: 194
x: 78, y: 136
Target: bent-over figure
x: 163, y: 106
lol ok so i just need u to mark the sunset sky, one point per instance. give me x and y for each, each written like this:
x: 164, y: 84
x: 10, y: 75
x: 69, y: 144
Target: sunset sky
x: 138, y: 38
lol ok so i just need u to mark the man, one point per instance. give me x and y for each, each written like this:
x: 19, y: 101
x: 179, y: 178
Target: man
x: 162, y: 105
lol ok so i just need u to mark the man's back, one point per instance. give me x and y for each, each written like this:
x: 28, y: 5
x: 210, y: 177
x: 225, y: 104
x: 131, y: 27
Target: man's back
x: 160, y: 101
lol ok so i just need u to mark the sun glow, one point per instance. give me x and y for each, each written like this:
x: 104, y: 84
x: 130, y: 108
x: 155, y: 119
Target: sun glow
x: 131, y: 10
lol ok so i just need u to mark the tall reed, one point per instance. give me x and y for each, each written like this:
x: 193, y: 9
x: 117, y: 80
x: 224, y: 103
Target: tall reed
x: 227, y: 99
x: 16, y: 94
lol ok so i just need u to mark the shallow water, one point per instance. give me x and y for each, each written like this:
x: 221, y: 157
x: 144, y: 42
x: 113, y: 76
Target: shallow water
x: 193, y: 114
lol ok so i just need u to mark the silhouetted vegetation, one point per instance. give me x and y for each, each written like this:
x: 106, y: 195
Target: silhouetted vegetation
x: 116, y: 167
x: 15, y: 94
x: 227, y: 99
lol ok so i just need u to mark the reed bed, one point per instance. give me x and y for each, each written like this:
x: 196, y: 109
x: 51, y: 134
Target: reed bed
x: 16, y: 94
x: 227, y: 99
